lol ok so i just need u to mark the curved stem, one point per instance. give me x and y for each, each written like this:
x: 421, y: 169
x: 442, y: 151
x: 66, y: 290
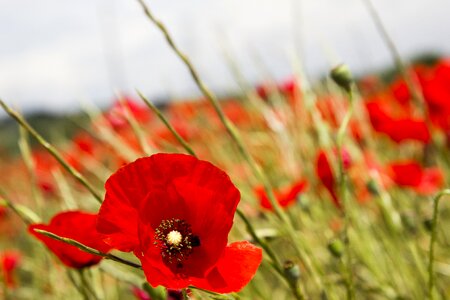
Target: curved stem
x: 431, y: 278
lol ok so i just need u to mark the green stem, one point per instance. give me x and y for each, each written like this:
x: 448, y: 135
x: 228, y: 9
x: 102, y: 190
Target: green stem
x: 52, y: 150
x: 344, y: 197
x: 88, y: 249
x: 409, y: 78
x: 431, y: 277
x: 23, y: 212
x: 78, y: 287
x: 275, y: 262
x: 86, y: 285
x: 161, y: 116
x: 137, y: 129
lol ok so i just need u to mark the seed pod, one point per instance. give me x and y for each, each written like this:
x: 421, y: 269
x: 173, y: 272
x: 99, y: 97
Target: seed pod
x: 342, y: 76
x: 336, y: 247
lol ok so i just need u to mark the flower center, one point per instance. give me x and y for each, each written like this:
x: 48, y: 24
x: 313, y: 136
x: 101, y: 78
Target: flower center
x: 175, y: 240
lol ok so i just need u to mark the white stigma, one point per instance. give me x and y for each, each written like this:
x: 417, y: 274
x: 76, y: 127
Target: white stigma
x: 174, y: 238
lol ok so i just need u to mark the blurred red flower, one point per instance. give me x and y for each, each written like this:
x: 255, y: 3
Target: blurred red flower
x: 285, y: 197
x: 408, y: 173
x: 175, y: 212
x: 325, y: 174
x: 9, y: 262
x: 76, y: 225
x: 398, y: 127
x: 116, y: 115
x: 436, y: 91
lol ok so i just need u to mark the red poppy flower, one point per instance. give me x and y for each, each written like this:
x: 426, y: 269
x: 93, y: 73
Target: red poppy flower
x: 325, y: 174
x: 9, y: 262
x: 76, y: 225
x: 398, y: 128
x: 436, y: 90
x: 175, y: 212
x: 285, y: 197
x: 410, y: 174
x: 45, y: 165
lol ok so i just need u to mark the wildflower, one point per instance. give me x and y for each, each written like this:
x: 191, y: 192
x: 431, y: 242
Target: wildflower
x: 325, y: 174
x: 285, y: 197
x: 436, y: 90
x: 9, y: 262
x: 408, y: 173
x: 76, y: 225
x: 396, y: 122
x: 175, y: 212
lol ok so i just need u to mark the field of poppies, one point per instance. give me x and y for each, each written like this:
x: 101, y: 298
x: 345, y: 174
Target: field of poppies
x: 337, y: 189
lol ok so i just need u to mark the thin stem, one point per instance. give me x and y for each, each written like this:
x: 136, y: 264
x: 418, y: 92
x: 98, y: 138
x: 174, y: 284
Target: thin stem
x: 24, y: 213
x: 275, y: 262
x: 88, y: 249
x: 135, y: 126
x: 86, y: 284
x: 161, y: 116
x: 410, y: 80
x: 78, y: 287
x: 344, y: 197
x: 52, y: 150
x: 214, y: 294
x: 431, y: 277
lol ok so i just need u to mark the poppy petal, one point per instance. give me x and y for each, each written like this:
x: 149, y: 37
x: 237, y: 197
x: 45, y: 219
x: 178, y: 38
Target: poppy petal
x: 234, y: 270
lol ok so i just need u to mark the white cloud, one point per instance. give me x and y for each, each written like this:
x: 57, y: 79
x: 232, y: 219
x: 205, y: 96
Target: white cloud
x: 55, y: 52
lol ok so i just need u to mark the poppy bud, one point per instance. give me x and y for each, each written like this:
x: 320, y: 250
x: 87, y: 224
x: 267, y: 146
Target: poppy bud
x: 372, y: 187
x: 428, y: 224
x: 342, y: 76
x: 291, y: 270
x: 336, y: 248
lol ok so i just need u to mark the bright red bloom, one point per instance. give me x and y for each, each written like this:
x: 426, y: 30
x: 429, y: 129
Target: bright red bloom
x: 398, y: 127
x: 285, y: 197
x: 76, y: 225
x: 175, y: 212
x: 436, y: 90
x: 325, y: 174
x: 9, y: 262
x: 410, y: 174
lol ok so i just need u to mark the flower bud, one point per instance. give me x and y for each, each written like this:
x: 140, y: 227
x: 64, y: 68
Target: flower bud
x: 291, y: 270
x: 372, y: 187
x: 342, y: 76
x: 336, y: 247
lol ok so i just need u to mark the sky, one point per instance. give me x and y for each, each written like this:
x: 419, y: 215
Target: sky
x: 56, y: 55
